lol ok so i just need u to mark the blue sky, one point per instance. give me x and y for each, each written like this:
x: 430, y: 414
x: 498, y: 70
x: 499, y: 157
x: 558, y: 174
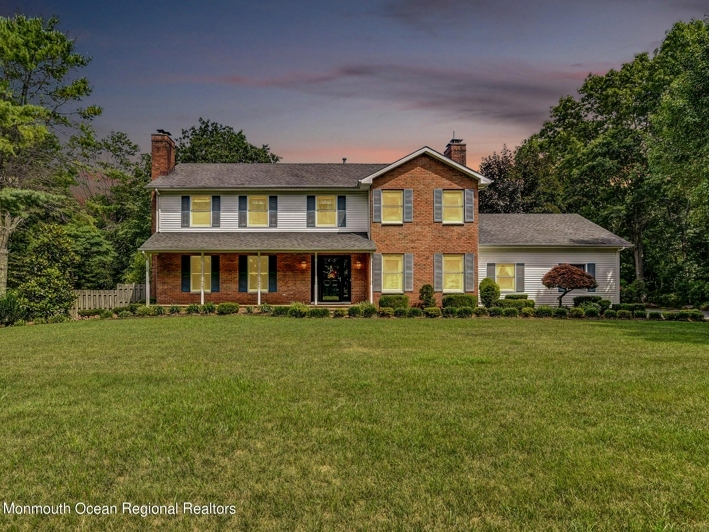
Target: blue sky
x: 371, y: 80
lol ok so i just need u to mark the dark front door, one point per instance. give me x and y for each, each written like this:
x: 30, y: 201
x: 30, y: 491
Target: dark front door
x: 333, y: 278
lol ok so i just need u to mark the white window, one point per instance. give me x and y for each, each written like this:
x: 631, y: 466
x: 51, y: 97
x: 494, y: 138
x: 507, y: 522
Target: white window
x: 201, y: 211
x: 326, y: 211
x: 453, y: 207
x: 392, y: 273
x: 392, y: 206
x: 196, y: 273
x: 258, y: 211
x: 453, y: 273
x: 505, y: 277
x: 253, y: 267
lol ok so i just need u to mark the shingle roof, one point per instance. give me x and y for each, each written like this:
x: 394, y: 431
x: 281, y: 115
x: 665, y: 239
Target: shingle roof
x: 258, y: 241
x: 264, y: 175
x: 544, y: 230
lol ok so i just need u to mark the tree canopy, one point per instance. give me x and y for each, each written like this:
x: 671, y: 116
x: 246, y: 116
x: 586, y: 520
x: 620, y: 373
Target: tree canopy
x: 566, y: 278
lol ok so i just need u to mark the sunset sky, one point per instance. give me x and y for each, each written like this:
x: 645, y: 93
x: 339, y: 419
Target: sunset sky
x: 371, y: 80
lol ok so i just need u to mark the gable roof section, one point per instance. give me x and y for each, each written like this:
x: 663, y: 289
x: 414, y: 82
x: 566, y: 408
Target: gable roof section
x: 482, y: 180
x: 544, y: 230
x: 216, y: 176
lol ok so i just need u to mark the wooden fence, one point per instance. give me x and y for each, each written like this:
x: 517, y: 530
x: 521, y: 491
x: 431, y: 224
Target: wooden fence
x: 123, y: 295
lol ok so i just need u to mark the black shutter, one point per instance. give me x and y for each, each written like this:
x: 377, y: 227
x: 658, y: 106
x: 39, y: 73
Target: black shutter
x: 215, y: 273
x: 216, y: 211
x: 185, y: 273
x: 438, y: 272
x: 272, y: 273
x: 438, y: 205
x: 491, y: 270
x: 591, y: 270
x: 243, y: 202
x: 273, y: 211
x: 408, y: 205
x: 185, y: 220
x: 310, y: 221
x: 519, y: 277
x: 377, y: 206
x: 469, y: 277
x: 243, y: 273
x: 341, y: 211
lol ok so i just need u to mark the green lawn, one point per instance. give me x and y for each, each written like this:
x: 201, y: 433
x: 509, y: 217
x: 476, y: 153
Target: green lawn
x: 359, y: 424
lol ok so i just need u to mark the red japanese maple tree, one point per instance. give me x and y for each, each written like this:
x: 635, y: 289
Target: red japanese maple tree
x: 567, y: 278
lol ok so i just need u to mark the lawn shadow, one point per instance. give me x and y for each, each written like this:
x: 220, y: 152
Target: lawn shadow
x: 676, y: 332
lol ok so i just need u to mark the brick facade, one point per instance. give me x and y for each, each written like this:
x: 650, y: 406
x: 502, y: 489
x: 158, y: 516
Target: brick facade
x: 293, y: 280
x: 424, y: 237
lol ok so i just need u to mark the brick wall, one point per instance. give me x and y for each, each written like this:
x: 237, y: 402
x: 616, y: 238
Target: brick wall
x: 294, y: 281
x: 423, y: 237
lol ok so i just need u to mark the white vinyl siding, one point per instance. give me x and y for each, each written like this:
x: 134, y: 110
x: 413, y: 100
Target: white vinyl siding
x: 292, y: 213
x: 537, y: 262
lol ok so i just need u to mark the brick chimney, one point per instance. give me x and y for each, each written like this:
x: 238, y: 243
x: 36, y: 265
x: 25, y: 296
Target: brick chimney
x: 455, y: 150
x: 163, y: 154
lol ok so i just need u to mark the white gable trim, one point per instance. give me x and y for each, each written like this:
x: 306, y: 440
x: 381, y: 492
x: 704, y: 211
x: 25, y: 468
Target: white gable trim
x: 482, y: 180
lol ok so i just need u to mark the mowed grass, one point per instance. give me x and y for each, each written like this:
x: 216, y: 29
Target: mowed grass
x: 359, y: 424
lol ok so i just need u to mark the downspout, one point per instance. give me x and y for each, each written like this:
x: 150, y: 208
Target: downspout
x: 147, y: 278
x: 258, y: 285
x: 201, y: 288
x: 157, y: 208
x: 371, y: 288
x: 316, y: 278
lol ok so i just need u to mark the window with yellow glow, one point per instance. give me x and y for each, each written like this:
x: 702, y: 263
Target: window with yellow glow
x: 392, y: 206
x: 392, y: 273
x: 505, y: 276
x: 258, y: 211
x: 201, y: 211
x: 452, y: 206
x: 453, y: 273
x: 253, y: 266
x: 326, y: 211
x: 196, y: 274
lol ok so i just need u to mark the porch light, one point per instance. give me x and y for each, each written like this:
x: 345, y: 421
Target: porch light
x: 358, y: 264
x: 303, y: 264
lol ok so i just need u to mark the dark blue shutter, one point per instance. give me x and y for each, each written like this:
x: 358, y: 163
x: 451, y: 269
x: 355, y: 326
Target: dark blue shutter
x: 409, y: 272
x: 341, y: 211
x: 438, y: 272
x: 591, y: 270
x: 273, y: 211
x: 243, y: 273
x: 377, y: 272
x: 310, y: 221
x: 491, y: 270
x: 377, y: 206
x: 469, y: 205
x: 438, y: 205
x: 243, y: 202
x: 185, y: 220
x: 216, y: 211
x: 272, y: 273
x: 469, y: 277
x: 519, y: 277
x: 408, y: 205
x: 215, y: 273
x: 185, y: 273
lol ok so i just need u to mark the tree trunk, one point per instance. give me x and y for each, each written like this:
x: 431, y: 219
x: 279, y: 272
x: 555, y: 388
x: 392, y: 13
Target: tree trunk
x: 8, y: 224
x: 638, y: 252
x: 3, y: 271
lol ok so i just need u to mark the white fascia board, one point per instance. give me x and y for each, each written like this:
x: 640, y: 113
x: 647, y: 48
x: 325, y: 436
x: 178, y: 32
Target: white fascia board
x: 483, y: 181
x: 604, y: 247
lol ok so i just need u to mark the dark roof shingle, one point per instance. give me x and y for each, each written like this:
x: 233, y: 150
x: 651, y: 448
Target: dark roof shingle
x: 545, y: 230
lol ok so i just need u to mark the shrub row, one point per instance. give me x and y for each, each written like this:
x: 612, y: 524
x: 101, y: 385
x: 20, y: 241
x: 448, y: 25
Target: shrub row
x: 514, y: 303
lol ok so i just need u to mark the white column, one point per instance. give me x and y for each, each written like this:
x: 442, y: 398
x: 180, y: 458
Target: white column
x: 147, y: 279
x: 201, y: 283
x: 371, y: 288
x: 258, y: 291
x: 316, y: 278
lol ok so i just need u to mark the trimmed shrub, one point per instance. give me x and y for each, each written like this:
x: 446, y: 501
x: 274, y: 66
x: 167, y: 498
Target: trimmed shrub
x: 510, y: 312
x: 605, y: 304
x: 516, y: 296
x: 671, y: 316
x: 432, y: 312
x: 354, y: 311
x: 227, y: 308
x: 495, y: 312
x: 696, y: 315
x: 280, y: 311
x: 266, y: 309
x: 192, y: 309
x: 105, y: 314
x: 124, y: 314
x: 654, y: 316
x: 625, y: 314
x: 449, y: 312
x: 19, y: 323
x: 580, y: 300
x: 394, y: 301
x: 588, y: 305
x: 46, y: 294
x: 249, y: 309
x: 426, y: 296
x: 562, y: 313
x: 632, y: 307
x: 489, y: 292
x: 318, y: 312
x: 368, y: 310
x: 174, y: 310
x: 704, y: 306
x: 339, y: 313
x: 401, y: 312
x: 42, y: 321
x: 577, y: 313
x: 591, y: 312
x: 386, y: 312
x: 84, y: 313
x: 526, y: 312
x: 208, y: 308
x: 159, y: 310
x: 298, y: 310
x: 544, y: 311
x: 414, y: 312
x: 460, y: 300
x: 610, y: 314
x: 465, y: 312
x: 514, y: 303
x: 144, y: 311
x: 132, y: 308
x: 57, y: 318
x: 684, y: 315
x: 640, y: 315
x: 481, y: 312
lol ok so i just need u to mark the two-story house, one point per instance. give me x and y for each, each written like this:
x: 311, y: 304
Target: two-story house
x: 346, y: 233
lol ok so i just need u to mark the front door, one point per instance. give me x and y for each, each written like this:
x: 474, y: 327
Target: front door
x: 333, y: 278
